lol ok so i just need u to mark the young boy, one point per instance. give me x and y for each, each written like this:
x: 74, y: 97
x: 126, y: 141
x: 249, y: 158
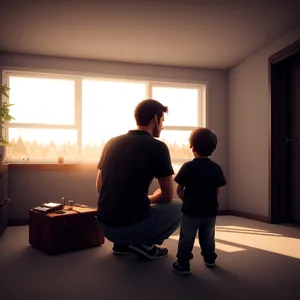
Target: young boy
x: 199, y: 182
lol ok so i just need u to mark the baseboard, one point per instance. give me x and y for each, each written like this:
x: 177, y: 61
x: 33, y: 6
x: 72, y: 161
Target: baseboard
x: 224, y: 212
x: 18, y: 222
x: 246, y: 215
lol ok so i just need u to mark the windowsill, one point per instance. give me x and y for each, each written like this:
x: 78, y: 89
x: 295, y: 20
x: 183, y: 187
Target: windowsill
x: 52, y: 166
x: 64, y: 166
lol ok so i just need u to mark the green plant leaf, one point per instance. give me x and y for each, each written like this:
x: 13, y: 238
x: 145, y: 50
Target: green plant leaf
x: 4, y: 89
x: 5, y: 113
x: 4, y: 142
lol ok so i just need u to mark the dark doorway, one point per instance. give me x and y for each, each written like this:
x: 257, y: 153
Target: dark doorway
x: 285, y: 135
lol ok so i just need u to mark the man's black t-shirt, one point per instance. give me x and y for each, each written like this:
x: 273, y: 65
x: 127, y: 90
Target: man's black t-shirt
x: 129, y: 163
x: 201, y: 177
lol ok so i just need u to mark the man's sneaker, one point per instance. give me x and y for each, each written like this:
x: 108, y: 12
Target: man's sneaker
x: 181, y: 270
x: 120, y: 249
x: 150, y: 252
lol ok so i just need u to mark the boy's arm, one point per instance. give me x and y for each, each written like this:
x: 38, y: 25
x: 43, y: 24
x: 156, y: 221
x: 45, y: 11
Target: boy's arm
x: 180, y: 191
x: 221, y: 180
x: 181, y: 179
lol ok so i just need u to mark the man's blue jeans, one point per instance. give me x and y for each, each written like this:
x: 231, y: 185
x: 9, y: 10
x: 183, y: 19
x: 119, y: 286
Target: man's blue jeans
x: 163, y: 221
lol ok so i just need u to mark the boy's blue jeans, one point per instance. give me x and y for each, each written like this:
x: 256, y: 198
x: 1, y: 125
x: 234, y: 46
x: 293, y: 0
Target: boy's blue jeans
x: 206, y: 234
x: 163, y: 221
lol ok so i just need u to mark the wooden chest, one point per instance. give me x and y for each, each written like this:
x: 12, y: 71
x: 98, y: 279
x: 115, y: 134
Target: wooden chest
x: 56, y: 233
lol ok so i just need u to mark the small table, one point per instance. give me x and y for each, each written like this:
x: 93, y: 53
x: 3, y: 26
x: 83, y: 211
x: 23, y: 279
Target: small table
x: 56, y: 233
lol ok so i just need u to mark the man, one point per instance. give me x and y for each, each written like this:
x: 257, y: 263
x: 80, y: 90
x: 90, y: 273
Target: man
x: 130, y: 218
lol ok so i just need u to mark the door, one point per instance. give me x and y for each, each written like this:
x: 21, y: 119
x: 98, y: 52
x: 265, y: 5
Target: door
x: 285, y: 135
x: 293, y: 140
x: 279, y: 115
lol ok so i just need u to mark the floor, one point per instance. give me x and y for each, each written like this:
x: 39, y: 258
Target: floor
x: 256, y: 261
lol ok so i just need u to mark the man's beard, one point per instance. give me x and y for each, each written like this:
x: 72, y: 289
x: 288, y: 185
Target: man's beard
x: 155, y: 131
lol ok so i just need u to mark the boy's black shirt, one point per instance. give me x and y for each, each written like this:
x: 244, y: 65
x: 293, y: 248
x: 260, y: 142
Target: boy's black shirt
x: 201, y: 177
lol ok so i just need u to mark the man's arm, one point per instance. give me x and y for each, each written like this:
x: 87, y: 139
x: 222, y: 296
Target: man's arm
x: 165, y: 193
x: 180, y: 191
x: 99, y: 181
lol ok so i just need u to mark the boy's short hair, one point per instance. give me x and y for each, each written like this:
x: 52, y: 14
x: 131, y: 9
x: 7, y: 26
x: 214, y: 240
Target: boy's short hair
x: 203, y: 140
x: 146, y: 110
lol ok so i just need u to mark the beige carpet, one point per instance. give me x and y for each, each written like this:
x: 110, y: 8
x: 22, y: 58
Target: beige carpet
x: 256, y: 261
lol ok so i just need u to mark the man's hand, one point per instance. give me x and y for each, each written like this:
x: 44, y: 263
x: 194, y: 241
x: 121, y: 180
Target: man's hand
x: 157, y: 191
x: 155, y: 196
x: 165, y: 193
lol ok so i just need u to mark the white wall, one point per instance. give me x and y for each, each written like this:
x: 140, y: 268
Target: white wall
x: 23, y: 196
x: 248, y: 127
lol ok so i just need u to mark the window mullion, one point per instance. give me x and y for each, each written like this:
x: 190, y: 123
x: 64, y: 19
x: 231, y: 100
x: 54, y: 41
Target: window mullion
x: 203, y: 106
x: 78, y: 114
x: 150, y: 86
x: 180, y: 128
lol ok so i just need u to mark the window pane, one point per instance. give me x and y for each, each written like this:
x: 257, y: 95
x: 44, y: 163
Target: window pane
x: 42, y: 101
x: 107, y: 111
x: 178, y: 144
x: 42, y: 144
x: 177, y: 165
x: 182, y: 104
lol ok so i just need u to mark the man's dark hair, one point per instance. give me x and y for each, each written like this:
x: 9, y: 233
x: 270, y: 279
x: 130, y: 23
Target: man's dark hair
x: 204, y: 141
x: 146, y: 110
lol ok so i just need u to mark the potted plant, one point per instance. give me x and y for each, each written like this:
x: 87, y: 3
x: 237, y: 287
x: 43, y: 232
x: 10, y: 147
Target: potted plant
x: 4, y: 117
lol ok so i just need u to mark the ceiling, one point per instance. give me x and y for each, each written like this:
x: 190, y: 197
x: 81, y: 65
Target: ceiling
x: 190, y: 33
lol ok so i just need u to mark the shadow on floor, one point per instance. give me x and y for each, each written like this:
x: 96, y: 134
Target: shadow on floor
x: 97, y: 274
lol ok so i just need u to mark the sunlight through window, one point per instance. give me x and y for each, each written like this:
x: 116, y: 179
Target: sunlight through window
x: 52, y: 117
x: 42, y: 100
x: 107, y: 111
x: 182, y: 104
x: 178, y: 143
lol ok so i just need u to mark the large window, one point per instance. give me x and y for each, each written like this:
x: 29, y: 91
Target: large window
x: 74, y: 116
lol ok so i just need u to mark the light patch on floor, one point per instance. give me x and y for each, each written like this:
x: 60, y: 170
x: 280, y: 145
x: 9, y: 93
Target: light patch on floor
x: 238, y: 229
x: 219, y: 246
x: 257, y: 238
x: 260, y: 239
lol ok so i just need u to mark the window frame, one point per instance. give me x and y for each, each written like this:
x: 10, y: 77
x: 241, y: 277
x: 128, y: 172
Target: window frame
x: 201, y: 102
x: 201, y: 86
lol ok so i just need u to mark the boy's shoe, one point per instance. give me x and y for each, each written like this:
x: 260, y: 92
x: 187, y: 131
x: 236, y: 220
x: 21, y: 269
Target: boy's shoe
x: 181, y: 270
x: 150, y: 252
x: 120, y: 249
x: 210, y: 264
